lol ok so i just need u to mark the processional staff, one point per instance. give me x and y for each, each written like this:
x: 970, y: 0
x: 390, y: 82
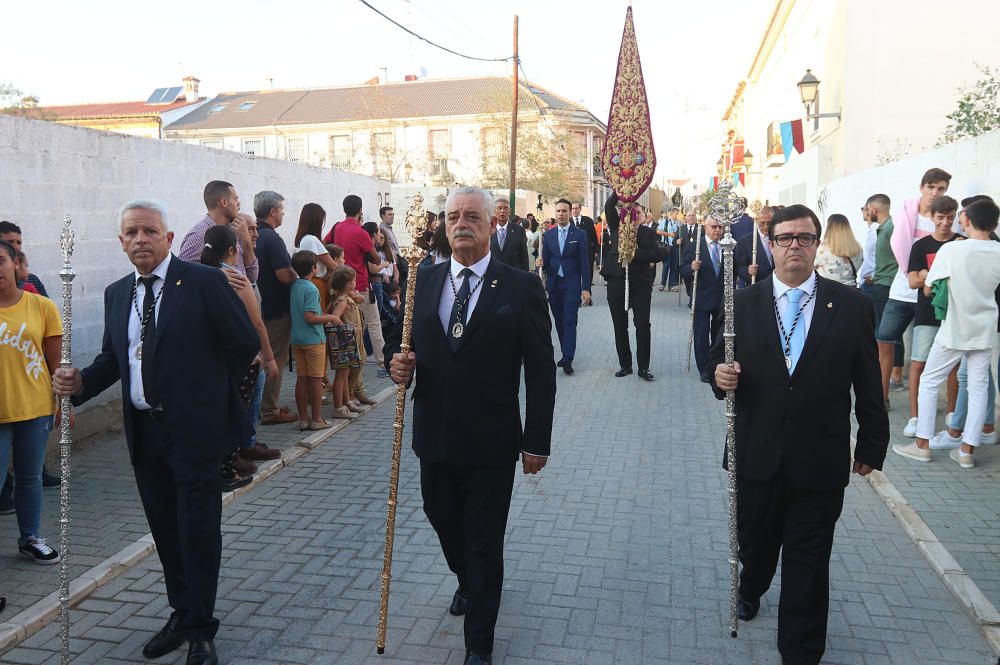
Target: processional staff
x: 694, y: 293
x: 726, y: 207
x: 755, y: 208
x: 66, y: 274
x: 416, y: 225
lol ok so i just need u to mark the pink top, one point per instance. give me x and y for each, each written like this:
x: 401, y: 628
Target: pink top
x: 357, y: 246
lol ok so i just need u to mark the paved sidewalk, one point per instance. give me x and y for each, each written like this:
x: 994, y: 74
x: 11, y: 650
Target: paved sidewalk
x: 106, y: 513
x: 616, y: 553
x: 961, y: 506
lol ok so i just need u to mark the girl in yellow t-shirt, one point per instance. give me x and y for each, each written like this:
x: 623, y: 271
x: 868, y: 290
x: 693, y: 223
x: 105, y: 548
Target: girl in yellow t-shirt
x: 30, y: 338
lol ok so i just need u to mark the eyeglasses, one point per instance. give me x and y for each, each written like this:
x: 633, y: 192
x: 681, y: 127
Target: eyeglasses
x: 805, y: 239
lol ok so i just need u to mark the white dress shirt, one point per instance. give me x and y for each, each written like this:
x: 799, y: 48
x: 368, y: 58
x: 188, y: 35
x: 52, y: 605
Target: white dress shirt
x: 136, y: 392
x: 448, y: 295
x: 868, y: 264
x: 780, y: 291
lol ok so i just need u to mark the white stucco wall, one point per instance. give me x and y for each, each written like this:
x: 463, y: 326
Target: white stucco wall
x: 892, y: 68
x: 49, y: 170
x: 974, y: 165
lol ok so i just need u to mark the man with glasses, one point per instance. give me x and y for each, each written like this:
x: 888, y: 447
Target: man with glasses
x: 802, y: 343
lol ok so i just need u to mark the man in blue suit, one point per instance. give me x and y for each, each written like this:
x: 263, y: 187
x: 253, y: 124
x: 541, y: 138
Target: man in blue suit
x: 566, y: 259
x: 179, y: 339
x: 743, y: 252
x: 708, y: 301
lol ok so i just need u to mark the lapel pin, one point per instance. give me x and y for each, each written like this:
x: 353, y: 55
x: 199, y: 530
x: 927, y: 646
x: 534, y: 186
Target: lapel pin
x: 829, y: 305
x: 493, y: 284
x: 178, y: 283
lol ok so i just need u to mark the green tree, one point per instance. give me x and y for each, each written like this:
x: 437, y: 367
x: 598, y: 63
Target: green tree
x: 978, y: 109
x: 547, y: 160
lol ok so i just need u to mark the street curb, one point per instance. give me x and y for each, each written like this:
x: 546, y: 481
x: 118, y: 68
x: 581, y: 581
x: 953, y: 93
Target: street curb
x: 30, y: 620
x: 976, y: 604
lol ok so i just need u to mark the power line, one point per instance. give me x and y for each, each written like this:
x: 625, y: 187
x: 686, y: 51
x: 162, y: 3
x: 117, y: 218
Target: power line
x: 421, y: 38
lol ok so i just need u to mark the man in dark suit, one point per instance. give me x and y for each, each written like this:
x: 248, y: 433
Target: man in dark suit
x: 743, y: 253
x: 708, y: 303
x: 476, y: 322
x: 586, y: 224
x: 743, y: 226
x: 802, y: 342
x: 179, y: 359
x: 509, y: 243
x: 566, y: 259
x: 648, y: 253
x: 686, y: 235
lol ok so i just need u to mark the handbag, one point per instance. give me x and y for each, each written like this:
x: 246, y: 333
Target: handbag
x: 342, y: 345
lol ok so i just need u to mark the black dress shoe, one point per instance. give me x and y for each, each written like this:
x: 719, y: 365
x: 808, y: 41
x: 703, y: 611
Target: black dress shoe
x: 202, y: 652
x: 705, y: 378
x: 473, y: 658
x: 459, y: 603
x: 560, y: 363
x: 165, y: 641
x: 646, y: 375
x: 568, y: 367
x: 624, y: 371
x: 746, y: 609
x: 48, y: 480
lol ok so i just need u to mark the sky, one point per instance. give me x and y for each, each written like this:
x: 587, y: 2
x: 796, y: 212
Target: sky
x: 693, y: 53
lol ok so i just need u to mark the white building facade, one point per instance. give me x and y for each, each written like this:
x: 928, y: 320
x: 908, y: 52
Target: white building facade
x: 891, y: 69
x: 414, y: 134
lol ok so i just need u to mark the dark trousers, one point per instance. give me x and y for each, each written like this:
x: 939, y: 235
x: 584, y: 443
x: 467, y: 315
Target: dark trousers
x: 183, y: 504
x: 706, y: 326
x: 775, y: 516
x: 564, y: 299
x: 669, y: 272
x: 467, y: 505
x: 639, y: 301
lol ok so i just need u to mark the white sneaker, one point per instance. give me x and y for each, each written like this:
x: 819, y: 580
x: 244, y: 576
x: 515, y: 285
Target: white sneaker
x: 963, y: 460
x: 944, y: 441
x: 910, y: 451
x: 910, y: 430
x: 988, y: 438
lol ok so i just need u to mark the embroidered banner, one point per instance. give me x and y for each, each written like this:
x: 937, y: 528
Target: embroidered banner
x: 628, y: 157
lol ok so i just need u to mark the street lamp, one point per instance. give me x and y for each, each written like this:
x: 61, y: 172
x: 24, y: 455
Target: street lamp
x: 809, y: 93
x: 747, y: 160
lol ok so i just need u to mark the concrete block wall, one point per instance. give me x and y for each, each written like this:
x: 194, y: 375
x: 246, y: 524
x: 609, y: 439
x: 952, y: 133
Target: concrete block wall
x: 48, y: 171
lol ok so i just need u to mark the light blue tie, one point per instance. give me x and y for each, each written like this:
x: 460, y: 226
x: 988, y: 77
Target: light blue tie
x: 503, y: 237
x: 798, y: 339
x: 562, y: 246
x: 715, y: 256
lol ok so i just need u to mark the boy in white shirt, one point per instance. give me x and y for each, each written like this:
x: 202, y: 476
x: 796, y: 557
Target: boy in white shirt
x: 972, y: 271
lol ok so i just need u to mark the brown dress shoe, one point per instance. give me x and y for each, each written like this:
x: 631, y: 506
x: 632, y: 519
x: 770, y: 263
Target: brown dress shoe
x: 280, y: 418
x: 244, y: 466
x: 259, y: 452
x: 364, y: 399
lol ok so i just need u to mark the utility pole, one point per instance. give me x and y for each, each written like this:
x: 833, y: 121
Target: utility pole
x: 513, y: 129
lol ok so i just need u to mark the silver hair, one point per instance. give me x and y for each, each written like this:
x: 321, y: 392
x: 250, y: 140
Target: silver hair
x: 488, y: 203
x: 266, y: 201
x: 144, y: 204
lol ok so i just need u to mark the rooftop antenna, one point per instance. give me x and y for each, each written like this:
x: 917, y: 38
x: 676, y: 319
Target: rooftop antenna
x: 270, y: 80
x: 385, y: 74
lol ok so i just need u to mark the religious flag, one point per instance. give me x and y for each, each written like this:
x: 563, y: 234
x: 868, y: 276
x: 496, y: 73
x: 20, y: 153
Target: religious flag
x: 628, y: 157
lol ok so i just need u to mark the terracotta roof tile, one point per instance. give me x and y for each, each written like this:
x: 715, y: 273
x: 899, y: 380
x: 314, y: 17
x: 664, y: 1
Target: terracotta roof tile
x: 83, y: 111
x: 411, y: 99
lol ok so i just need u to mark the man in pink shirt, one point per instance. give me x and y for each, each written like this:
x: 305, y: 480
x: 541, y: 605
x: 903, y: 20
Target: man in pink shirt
x: 914, y: 223
x: 358, y: 251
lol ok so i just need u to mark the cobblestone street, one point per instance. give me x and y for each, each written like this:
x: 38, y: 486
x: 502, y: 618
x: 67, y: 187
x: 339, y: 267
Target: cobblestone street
x: 616, y: 552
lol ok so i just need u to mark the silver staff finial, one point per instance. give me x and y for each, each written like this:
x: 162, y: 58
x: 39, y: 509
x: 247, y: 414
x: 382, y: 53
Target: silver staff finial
x: 66, y: 240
